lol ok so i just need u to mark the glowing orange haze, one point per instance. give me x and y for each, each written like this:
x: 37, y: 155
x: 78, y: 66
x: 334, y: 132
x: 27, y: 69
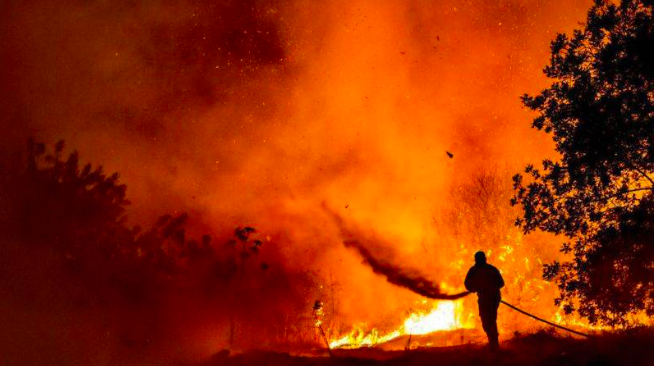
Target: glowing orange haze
x: 358, y: 112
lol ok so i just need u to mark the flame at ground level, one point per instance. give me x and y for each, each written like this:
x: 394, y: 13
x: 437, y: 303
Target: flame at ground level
x: 444, y: 315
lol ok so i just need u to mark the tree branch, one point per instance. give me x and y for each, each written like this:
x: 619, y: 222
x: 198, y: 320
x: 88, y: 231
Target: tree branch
x: 645, y: 176
x: 625, y: 192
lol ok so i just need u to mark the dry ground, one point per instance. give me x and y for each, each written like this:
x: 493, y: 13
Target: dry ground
x: 633, y: 348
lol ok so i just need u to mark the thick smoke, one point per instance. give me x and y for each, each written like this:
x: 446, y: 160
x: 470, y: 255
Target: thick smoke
x: 253, y: 113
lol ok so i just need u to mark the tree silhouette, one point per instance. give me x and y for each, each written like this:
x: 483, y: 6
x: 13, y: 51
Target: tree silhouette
x: 68, y: 221
x: 58, y: 204
x: 599, y: 195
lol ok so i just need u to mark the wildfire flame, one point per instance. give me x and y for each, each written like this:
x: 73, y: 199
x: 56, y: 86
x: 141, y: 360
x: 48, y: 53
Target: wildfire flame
x: 444, y: 315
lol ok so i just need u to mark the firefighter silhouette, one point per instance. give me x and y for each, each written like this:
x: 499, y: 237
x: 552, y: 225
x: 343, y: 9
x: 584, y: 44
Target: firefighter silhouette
x: 485, y: 280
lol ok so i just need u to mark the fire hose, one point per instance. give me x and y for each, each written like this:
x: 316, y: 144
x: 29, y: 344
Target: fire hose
x: 465, y: 293
x: 545, y: 321
x: 522, y: 312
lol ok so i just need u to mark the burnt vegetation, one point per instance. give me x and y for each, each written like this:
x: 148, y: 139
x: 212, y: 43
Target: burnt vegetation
x: 599, y: 195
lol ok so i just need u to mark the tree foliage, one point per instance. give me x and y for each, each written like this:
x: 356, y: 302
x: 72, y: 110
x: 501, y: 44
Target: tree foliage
x: 599, y: 194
